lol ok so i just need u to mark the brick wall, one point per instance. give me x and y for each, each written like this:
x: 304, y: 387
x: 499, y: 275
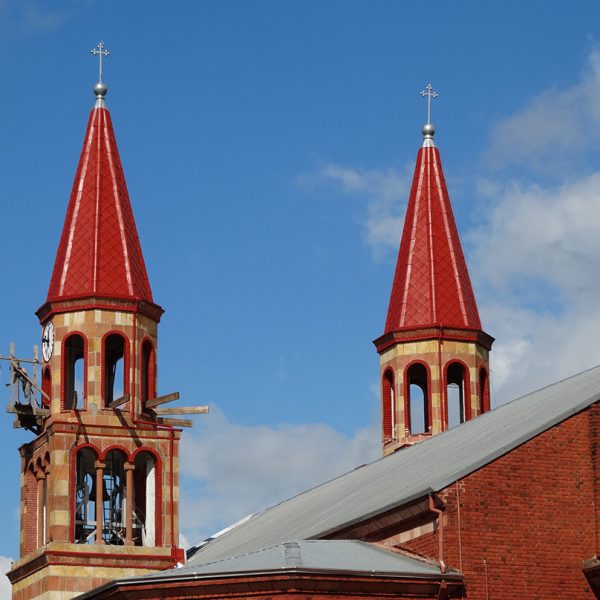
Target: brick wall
x: 30, y: 517
x: 522, y: 526
x: 595, y: 453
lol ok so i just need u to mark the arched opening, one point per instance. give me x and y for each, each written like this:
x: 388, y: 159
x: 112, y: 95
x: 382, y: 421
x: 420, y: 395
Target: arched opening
x: 417, y: 398
x: 115, y: 382
x: 148, y: 375
x: 145, y: 500
x: 47, y: 386
x: 456, y: 392
x: 389, y: 404
x: 31, y: 507
x: 113, y: 498
x: 85, y: 497
x: 484, y: 391
x: 74, y: 372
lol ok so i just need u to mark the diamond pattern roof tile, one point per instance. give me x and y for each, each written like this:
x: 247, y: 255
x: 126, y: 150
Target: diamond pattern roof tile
x: 99, y: 253
x: 431, y: 284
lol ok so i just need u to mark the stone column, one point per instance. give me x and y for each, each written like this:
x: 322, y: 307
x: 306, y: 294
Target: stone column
x: 129, y: 468
x: 99, y: 500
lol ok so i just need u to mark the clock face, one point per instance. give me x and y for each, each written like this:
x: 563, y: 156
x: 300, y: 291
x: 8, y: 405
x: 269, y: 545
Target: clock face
x: 48, y: 340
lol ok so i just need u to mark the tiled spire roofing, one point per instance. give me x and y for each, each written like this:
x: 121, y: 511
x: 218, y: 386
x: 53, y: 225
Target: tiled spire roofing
x: 99, y: 254
x: 431, y: 284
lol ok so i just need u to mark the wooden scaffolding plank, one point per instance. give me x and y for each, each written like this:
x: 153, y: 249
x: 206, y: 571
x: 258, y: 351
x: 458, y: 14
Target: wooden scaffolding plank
x: 175, y: 422
x: 119, y: 401
x: 182, y: 410
x: 162, y: 400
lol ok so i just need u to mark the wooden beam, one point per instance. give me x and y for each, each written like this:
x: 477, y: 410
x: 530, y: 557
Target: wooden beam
x: 175, y: 422
x: 116, y: 403
x: 182, y: 410
x: 162, y: 400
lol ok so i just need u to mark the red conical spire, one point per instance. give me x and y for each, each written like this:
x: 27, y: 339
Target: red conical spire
x: 433, y: 343
x: 431, y: 284
x: 99, y: 254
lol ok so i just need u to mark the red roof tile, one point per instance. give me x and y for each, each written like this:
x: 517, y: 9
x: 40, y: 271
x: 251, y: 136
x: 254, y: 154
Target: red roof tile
x: 431, y: 283
x: 99, y: 253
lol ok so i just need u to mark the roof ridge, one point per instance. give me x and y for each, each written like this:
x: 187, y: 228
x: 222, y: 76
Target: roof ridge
x: 242, y: 555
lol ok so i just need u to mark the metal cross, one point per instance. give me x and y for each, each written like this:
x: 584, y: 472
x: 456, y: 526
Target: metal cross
x: 430, y: 93
x: 101, y: 51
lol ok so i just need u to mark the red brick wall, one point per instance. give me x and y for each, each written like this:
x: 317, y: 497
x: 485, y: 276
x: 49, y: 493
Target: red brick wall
x: 31, y: 512
x: 595, y: 452
x: 522, y: 525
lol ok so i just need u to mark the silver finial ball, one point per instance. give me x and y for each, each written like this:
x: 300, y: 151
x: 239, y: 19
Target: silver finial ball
x: 100, y: 90
x: 428, y: 130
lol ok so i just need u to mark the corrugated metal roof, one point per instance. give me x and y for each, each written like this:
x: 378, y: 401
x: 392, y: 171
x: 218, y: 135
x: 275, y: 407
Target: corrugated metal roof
x: 315, y: 555
x: 408, y: 474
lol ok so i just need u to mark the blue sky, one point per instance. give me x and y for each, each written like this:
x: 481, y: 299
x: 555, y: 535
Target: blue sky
x: 268, y: 148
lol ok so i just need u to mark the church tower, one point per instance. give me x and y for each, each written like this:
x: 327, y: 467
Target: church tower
x: 99, y: 483
x: 434, y: 355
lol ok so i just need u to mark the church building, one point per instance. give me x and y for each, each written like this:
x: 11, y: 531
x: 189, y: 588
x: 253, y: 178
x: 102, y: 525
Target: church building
x: 466, y: 502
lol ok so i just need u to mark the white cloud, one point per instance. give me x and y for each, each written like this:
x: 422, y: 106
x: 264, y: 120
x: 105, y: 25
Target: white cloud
x: 535, y: 262
x: 552, y: 126
x: 39, y: 18
x: 536, y: 256
x: 5, y: 587
x: 230, y: 470
x: 31, y: 16
x: 184, y: 542
x: 544, y: 234
x: 385, y: 192
x: 546, y: 348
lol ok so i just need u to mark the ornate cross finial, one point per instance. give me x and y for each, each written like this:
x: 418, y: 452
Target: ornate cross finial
x: 430, y: 93
x: 101, y: 51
